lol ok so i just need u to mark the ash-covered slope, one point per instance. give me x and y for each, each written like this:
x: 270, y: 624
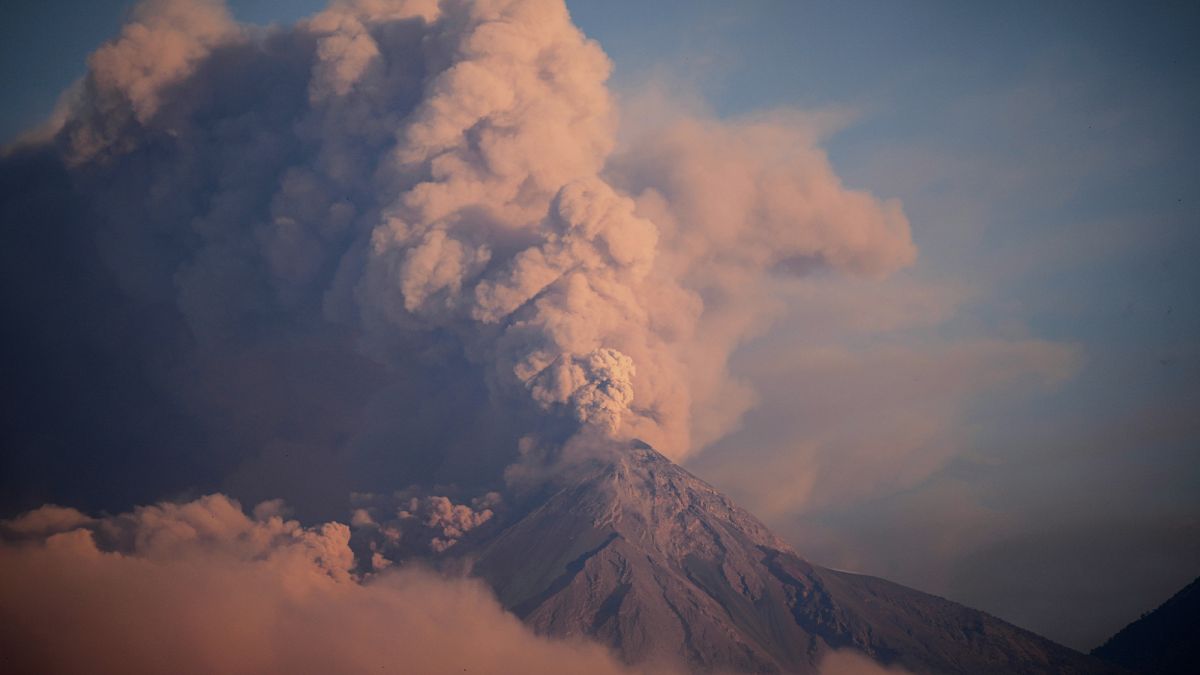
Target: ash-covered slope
x: 641, y: 555
x: 1165, y: 641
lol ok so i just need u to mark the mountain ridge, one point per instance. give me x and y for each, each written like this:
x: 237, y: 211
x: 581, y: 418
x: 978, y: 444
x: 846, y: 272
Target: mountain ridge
x: 639, y: 554
x: 1161, y: 641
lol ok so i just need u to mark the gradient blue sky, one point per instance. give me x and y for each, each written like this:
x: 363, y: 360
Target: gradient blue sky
x: 1046, y: 154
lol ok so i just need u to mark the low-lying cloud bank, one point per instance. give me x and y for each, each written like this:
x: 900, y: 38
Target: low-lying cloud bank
x: 200, y: 587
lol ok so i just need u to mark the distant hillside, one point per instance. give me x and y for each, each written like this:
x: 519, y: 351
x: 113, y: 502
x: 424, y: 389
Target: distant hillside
x: 1165, y: 641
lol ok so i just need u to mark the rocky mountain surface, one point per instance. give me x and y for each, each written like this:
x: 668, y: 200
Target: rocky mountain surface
x: 1165, y: 641
x: 639, y: 554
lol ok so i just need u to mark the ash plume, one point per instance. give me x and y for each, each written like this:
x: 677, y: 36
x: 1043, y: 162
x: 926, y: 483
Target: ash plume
x: 396, y: 238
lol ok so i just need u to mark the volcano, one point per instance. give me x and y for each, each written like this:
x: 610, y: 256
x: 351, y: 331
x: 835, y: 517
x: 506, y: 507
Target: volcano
x: 635, y: 552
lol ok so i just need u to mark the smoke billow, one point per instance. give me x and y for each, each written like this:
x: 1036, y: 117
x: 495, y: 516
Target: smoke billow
x: 409, y: 523
x: 427, y: 196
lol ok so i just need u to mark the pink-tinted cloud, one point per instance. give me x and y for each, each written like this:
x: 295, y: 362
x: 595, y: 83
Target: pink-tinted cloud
x: 738, y: 204
x: 858, y: 401
x: 200, y: 587
x: 488, y: 207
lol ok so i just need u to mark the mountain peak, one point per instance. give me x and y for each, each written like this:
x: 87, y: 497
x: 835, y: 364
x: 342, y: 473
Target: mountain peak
x: 639, y: 554
x: 645, y: 497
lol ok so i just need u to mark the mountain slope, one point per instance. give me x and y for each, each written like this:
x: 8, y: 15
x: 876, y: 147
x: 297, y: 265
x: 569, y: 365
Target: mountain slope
x: 1165, y: 641
x: 641, y: 555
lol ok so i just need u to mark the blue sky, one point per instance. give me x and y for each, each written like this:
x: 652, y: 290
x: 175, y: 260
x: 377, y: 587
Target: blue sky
x: 1045, y: 154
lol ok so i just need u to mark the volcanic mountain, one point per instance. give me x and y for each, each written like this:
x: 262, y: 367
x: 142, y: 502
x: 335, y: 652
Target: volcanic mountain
x: 639, y: 554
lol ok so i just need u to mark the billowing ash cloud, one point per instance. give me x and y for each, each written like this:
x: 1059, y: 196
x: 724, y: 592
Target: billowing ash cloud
x: 393, y: 244
x: 408, y: 522
x: 199, y: 587
x: 396, y: 235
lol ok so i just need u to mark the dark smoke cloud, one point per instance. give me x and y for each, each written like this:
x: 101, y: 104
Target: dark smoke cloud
x: 410, y: 523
